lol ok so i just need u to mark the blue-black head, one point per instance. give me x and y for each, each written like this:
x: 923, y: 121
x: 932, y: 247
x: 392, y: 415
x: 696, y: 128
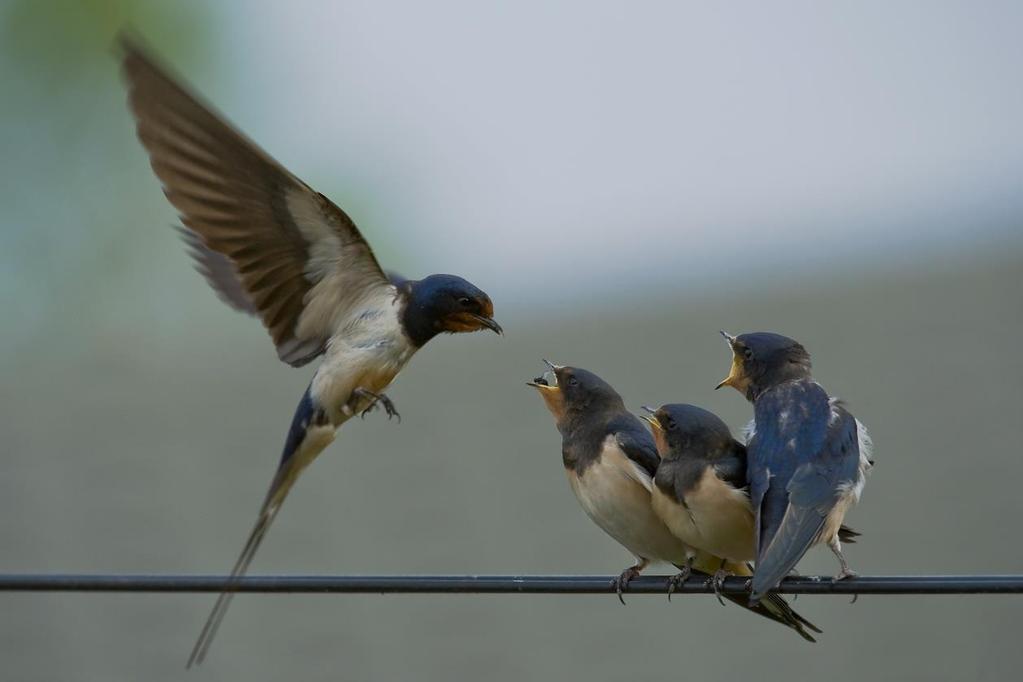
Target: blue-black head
x: 571, y: 392
x: 762, y: 360
x: 680, y: 430
x: 445, y: 304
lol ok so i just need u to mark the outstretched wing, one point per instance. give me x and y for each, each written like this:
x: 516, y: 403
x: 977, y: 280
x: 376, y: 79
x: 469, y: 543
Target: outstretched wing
x: 301, y: 262
x: 804, y: 454
x: 219, y: 272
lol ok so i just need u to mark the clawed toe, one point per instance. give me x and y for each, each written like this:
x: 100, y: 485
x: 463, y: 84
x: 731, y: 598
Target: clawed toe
x: 717, y: 581
x: 623, y: 580
x: 376, y: 399
x: 844, y: 574
x: 676, y: 581
x: 389, y: 407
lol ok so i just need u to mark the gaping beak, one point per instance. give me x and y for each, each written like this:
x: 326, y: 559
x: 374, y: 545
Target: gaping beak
x: 650, y: 419
x: 734, y: 377
x: 487, y: 322
x: 547, y: 386
x: 541, y: 381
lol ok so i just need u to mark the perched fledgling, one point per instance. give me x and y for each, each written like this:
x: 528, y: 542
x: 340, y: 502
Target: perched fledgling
x: 700, y: 489
x: 273, y: 247
x: 808, y: 457
x: 611, y: 460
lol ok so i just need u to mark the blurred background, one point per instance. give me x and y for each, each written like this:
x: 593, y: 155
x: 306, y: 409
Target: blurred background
x: 624, y: 180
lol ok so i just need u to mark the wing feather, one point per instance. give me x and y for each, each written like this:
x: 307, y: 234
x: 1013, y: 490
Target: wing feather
x: 300, y: 261
x: 802, y: 455
x: 636, y: 442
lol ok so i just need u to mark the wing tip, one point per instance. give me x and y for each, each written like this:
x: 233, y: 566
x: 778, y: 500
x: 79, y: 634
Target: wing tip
x: 132, y: 49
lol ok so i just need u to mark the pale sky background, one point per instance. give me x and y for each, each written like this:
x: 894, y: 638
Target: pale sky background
x: 597, y: 136
x: 547, y: 151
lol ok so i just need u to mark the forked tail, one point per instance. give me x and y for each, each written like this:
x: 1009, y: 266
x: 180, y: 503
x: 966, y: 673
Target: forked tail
x: 309, y: 434
x: 278, y: 491
x: 773, y: 606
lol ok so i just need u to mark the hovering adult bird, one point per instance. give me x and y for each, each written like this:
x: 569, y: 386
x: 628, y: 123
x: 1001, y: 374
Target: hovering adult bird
x: 808, y: 456
x: 611, y: 461
x: 700, y: 489
x: 272, y: 246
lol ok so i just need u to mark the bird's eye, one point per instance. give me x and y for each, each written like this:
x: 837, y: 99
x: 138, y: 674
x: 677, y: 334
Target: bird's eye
x: 572, y: 381
x: 747, y: 353
x: 671, y: 425
x: 465, y: 302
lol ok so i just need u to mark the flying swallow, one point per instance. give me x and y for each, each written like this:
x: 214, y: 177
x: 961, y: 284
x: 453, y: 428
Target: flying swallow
x: 611, y: 461
x: 807, y: 460
x: 274, y: 247
x: 700, y: 489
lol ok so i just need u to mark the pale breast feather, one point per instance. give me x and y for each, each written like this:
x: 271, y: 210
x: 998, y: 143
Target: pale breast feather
x: 368, y: 352
x: 612, y: 493
x: 722, y: 517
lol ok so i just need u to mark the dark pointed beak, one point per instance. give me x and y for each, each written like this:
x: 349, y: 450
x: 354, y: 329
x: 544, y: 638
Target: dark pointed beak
x: 489, y: 323
x: 728, y: 337
x: 554, y: 368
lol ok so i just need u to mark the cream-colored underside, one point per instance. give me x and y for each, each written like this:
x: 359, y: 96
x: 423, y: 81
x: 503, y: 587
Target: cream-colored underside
x: 367, y: 353
x: 615, y: 493
x: 718, y: 520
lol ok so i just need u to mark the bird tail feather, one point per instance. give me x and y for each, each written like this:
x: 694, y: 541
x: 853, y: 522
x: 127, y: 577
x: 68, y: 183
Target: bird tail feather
x: 279, y: 489
x: 773, y: 606
x: 799, y: 528
x: 847, y: 536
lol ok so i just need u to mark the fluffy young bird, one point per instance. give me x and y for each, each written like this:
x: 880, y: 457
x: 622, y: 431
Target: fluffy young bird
x: 700, y: 489
x: 611, y: 460
x: 273, y: 247
x: 808, y: 457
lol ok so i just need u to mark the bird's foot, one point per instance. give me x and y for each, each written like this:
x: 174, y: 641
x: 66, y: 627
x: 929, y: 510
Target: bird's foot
x: 676, y: 581
x: 845, y: 573
x: 376, y: 398
x: 717, y: 581
x: 623, y: 580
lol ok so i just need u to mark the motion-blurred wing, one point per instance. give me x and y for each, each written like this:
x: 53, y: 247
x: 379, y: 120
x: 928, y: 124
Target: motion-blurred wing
x: 824, y: 454
x: 300, y: 261
x: 219, y: 272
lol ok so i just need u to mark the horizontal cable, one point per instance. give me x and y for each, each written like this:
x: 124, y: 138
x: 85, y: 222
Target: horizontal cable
x: 502, y: 584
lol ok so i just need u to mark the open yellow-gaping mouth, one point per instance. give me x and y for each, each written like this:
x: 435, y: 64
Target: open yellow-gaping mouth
x: 548, y: 381
x: 547, y: 386
x: 650, y: 418
x: 736, y: 375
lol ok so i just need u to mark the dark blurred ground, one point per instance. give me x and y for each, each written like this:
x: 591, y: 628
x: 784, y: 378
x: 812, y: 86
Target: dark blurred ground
x: 150, y: 453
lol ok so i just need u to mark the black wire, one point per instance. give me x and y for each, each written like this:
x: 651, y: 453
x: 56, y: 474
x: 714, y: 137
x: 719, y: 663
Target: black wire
x: 502, y: 584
